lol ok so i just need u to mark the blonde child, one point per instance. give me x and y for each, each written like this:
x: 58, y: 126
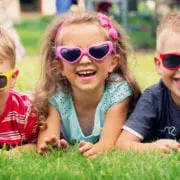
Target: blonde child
x: 87, y: 88
x: 18, y: 121
x: 156, y: 118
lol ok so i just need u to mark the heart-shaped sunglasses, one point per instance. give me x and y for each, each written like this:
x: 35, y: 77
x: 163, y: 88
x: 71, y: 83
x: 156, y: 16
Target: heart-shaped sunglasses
x: 97, y: 52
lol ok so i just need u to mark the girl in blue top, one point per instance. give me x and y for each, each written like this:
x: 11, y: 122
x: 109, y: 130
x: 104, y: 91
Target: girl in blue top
x: 87, y: 88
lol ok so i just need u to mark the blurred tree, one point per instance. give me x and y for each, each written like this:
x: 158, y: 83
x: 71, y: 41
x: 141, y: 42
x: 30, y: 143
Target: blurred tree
x: 132, y: 5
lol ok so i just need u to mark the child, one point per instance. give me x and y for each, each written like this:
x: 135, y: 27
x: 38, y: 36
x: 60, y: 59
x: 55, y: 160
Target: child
x: 18, y: 125
x: 157, y: 113
x: 87, y: 87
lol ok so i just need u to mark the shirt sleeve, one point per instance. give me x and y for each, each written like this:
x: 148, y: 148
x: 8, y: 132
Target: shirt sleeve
x: 116, y: 93
x: 31, y: 121
x: 31, y: 127
x: 59, y: 100
x: 140, y: 122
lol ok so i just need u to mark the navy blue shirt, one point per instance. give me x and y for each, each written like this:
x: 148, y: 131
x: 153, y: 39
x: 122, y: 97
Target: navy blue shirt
x: 155, y: 116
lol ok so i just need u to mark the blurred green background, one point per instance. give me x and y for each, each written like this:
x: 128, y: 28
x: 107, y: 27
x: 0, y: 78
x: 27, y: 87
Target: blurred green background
x: 31, y: 32
x: 142, y: 20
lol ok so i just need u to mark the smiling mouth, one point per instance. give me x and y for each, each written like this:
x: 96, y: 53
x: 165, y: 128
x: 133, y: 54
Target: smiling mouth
x: 86, y: 73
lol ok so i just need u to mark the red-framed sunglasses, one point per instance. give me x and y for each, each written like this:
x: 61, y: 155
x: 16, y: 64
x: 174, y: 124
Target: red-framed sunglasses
x: 170, y: 61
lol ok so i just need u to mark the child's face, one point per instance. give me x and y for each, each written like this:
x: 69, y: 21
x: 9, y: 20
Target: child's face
x: 86, y: 74
x: 171, y: 78
x: 6, y: 68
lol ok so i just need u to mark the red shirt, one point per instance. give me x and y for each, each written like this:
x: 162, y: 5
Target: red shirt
x: 18, y: 123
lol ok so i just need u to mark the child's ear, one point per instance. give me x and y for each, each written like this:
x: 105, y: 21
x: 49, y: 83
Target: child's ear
x: 157, y: 63
x: 115, y: 61
x: 57, y: 65
x: 13, y: 78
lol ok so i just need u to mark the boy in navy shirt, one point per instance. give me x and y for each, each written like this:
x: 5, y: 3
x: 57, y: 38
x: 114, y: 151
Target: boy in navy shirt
x: 156, y: 119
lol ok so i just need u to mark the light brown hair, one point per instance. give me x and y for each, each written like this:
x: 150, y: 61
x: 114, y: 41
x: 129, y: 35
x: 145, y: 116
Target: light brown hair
x: 7, y: 48
x: 52, y: 81
x: 170, y: 23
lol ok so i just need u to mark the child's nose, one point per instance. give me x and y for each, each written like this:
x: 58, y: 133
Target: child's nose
x: 85, y: 59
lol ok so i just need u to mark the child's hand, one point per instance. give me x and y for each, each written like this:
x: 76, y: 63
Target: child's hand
x: 52, y: 142
x: 87, y: 149
x: 166, y: 145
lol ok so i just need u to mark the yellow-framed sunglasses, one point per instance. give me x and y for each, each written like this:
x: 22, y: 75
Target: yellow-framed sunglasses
x: 4, y: 79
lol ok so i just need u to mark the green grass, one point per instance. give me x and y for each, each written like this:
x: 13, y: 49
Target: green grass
x: 31, y: 32
x: 71, y: 165
x: 143, y: 68
x: 29, y: 71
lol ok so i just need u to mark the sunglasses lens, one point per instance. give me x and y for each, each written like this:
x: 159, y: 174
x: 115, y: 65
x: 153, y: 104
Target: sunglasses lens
x: 70, y: 55
x: 172, y: 61
x: 98, y: 52
x: 3, y: 81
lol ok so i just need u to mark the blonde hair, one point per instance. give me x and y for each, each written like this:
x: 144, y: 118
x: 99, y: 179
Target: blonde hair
x: 170, y: 23
x: 51, y: 82
x: 7, y: 48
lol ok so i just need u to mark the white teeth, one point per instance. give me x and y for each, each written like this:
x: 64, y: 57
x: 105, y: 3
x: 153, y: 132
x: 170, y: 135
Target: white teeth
x: 86, y: 73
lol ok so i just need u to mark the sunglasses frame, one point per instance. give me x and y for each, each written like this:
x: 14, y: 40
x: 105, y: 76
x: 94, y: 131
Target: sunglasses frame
x: 84, y: 52
x: 161, y: 55
x: 8, y: 75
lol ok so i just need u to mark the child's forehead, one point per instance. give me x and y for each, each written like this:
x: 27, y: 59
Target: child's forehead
x: 83, y: 31
x: 82, y: 28
x: 168, y: 41
x: 5, y: 65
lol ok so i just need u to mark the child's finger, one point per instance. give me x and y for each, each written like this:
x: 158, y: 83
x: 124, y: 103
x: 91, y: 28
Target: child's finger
x: 53, y: 141
x: 43, y: 149
x: 174, y: 145
x: 93, y: 156
x: 47, y: 140
x: 87, y: 146
x: 64, y: 143
x: 82, y: 143
x: 89, y: 153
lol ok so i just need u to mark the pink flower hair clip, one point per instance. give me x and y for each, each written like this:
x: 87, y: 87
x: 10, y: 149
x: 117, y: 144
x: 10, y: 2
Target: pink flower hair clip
x: 105, y: 22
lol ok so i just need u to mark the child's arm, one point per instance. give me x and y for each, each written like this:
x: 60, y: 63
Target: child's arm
x: 140, y: 124
x: 51, y: 135
x: 114, y: 120
x: 19, y: 149
x: 128, y: 141
x: 23, y: 148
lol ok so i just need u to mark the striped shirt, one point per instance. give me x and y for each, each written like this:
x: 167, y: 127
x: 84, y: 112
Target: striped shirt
x: 18, y: 123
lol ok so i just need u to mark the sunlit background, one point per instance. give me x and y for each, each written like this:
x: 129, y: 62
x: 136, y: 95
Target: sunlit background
x: 139, y: 17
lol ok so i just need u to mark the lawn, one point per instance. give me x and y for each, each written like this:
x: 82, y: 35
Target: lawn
x: 70, y: 164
